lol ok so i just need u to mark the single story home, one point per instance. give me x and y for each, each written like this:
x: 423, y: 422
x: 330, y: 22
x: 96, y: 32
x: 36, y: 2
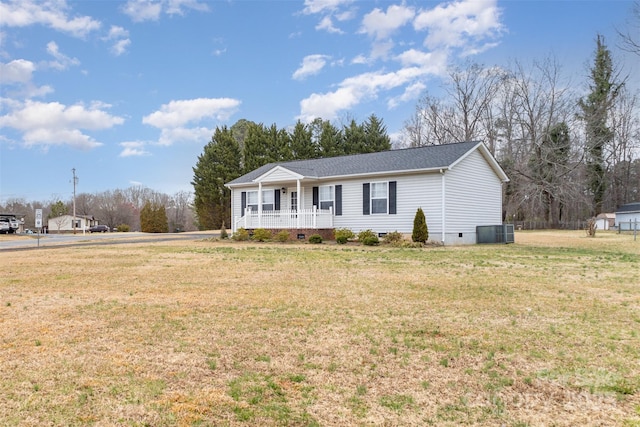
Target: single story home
x: 458, y: 186
x: 64, y: 223
x: 606, y: 221
x: 628, y: 217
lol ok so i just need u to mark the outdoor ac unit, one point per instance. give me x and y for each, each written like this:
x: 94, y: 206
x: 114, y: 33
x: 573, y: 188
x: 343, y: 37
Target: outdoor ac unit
x: 503, y: 233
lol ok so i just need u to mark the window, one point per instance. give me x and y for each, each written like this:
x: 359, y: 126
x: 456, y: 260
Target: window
x: 326, y: 193
x: 267, y: 200
x: 379, y: 198
x: 252, y: 200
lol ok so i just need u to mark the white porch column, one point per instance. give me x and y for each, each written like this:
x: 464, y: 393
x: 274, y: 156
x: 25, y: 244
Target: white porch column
x: 260, y: 205
x: 299, y: 202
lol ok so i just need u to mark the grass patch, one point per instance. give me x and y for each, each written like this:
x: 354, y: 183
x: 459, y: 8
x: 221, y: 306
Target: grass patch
x: 541, y: 332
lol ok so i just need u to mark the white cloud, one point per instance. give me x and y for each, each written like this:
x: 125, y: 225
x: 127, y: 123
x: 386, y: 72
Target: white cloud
x: 311, y: 65
x: 326, y: 24
x: 133, y: 148
x: 329, y: 9
x: 460, y: 24
x: 150, y: 10
x: 172, y: 118
x: 177, y: 113
x: 62, y: 61
x: 198, y: 134
x: 120, y: 38
x: 353, y: 91
x: 17, y: 75
x: 323, y: 6
x: 53, y: 14
x: 380, y: 25
x: 142, y: 10
x: 52, y: 123
x: 411, y: 92
x: 17, y: 71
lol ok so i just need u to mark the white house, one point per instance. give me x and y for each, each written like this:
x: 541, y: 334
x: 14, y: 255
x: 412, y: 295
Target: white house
x: 628, y: 216
x: 605, y: 221
x: 64, y: 223
x: 458, y: 186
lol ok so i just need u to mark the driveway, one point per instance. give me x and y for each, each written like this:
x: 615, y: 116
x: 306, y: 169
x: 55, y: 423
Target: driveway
x: 50, y: 241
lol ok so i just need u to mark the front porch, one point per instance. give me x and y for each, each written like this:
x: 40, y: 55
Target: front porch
x: 285, y: 219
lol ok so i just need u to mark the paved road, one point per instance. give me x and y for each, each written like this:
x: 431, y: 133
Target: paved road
x: 51, y: 241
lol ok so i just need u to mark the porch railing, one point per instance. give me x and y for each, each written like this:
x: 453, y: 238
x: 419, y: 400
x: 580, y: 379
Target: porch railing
x: 302, y: 218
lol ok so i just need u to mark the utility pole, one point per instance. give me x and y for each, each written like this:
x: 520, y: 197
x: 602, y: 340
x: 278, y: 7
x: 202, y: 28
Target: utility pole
x: 75, y: 181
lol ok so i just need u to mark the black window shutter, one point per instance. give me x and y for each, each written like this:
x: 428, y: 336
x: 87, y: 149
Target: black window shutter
x: 276, y: 199
x: 338, y: 200
x: 316, y: 198
x: 392, y: 197
x: 243, y: 203
x: 366, y: 205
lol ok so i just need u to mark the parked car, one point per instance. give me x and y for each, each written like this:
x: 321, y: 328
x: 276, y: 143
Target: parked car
x: 5, y: 227
x: 100, y: 228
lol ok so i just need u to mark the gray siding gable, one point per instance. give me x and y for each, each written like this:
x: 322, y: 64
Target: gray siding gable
x: 408, y: 159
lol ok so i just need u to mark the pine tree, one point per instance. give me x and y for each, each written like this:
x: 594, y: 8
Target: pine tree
x: 420, y: 230
x: 376, y: 135
x: 219, y: 163
x: 596, y: 108
x: 354, y: 138
x: 302, y: 146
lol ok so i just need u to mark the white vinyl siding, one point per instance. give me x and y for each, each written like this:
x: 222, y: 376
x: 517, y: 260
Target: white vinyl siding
x: 473, y: 196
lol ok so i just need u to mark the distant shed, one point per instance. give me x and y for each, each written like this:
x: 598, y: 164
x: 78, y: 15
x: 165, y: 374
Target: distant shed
x: 606, y: 221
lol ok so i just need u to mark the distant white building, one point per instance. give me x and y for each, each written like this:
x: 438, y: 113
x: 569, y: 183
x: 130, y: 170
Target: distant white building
x: 64, y: 223
x: 627, y: 216
x: 606, y: 221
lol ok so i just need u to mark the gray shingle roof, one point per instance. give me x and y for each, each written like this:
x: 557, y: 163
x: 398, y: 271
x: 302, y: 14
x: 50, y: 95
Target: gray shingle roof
x: 421, y: 158
x: 629, y: 207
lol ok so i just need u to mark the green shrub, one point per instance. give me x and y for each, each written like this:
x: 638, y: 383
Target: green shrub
x: 282, y: 236
x: 366, y: 233
x: 420, y: 231
x: 223, y: 232
x: 371, y: 241
x: 394, y: 238
x: 240, y: 235
x: 123, y: 228
x: 343, y: 235
x: 261, y: 234
x: 315, y: 238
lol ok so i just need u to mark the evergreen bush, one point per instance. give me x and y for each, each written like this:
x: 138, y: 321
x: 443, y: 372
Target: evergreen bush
x: 315, y: 238
x: 343, y: 235
x: 123, y: 228
x: 240, y: 235
x: 364, y: 234
x: 282, y: 236
x: 261, y: 234
x: 394, y: 238
x: 371, y: 241
x: 420, y: 230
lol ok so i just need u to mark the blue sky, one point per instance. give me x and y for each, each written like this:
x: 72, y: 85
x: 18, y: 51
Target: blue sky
x: 129, y: 92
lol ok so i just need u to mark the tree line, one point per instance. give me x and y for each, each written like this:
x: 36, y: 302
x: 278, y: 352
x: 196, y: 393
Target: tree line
x: 138, y: 207
x: 569, y: 156
x: 247, y: 145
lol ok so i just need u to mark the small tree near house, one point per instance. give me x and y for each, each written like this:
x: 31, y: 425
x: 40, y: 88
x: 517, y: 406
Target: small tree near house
x: 420, y: 230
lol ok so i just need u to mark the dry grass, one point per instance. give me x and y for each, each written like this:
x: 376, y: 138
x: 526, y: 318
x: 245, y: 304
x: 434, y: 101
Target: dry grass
x: 543, y: 332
